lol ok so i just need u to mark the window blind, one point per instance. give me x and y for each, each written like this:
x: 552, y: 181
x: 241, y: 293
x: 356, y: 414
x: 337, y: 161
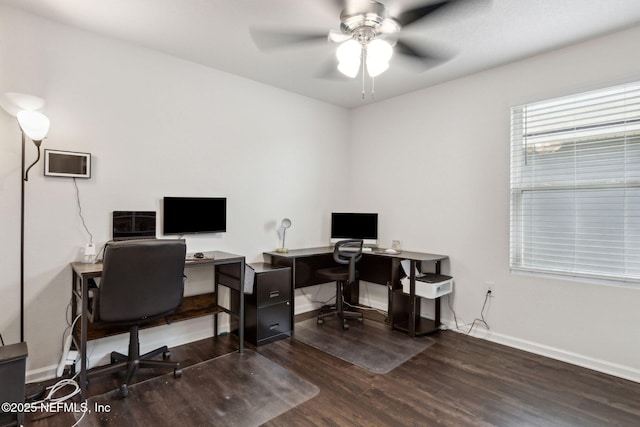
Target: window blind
x: 575, y: 185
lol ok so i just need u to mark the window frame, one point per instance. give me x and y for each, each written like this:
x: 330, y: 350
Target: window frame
x: 590, y: 132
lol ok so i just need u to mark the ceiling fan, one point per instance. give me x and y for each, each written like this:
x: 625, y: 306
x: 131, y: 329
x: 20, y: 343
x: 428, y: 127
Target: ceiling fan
x: 368, y: 36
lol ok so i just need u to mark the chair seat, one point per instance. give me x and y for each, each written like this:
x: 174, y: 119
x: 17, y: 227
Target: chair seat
x: 334, y: 273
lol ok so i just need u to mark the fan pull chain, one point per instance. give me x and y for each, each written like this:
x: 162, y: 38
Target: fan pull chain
x: 373, y: 88
x: 363, y: 72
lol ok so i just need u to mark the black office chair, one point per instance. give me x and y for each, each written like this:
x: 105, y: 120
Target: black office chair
x: 346, y: 252
x: 142, y: 280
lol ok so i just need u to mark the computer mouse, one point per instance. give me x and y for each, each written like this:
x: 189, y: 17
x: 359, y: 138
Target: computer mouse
x: 391, y: 251
x: 198, y: 255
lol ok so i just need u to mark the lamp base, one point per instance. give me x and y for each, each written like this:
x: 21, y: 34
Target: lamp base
x: 282, y: 250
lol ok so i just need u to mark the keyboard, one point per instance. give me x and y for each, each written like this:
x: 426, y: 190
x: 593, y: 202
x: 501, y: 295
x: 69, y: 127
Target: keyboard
x: 350, y: 249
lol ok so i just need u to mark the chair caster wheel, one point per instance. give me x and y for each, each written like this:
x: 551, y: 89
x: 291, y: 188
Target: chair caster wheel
x: 124, y: 390
x: 177, y: 373
x: 360, y: 320
x: 345, y: 327
x: 320, y: 321
x: 166, y: 355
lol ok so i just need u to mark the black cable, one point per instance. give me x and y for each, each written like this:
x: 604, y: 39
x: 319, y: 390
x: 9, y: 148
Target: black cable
x: 455, y: 318
x: 475, y: 321
x: 75, y: 183
x: 1, y: 340
x: 310, y: 299
x: 362, y: 307
x: 481, y: 320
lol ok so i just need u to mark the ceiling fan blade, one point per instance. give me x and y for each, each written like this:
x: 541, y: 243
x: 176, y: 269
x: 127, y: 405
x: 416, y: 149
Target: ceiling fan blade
x: 336, y: 36
x: 412, y: 15
x: 268, y: 39
x: 427, y: 57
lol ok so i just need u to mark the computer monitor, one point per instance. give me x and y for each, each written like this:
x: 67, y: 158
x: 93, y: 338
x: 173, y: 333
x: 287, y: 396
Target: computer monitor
x: 128, y: 225
x: 189, y: 215
x: 354, y: 226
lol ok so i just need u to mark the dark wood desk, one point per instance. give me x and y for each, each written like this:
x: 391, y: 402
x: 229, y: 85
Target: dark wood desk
x: 80, y: 290
x: 376, y: 266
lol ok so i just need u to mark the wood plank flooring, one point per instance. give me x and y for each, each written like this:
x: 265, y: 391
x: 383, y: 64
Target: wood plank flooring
x: 459, y: 381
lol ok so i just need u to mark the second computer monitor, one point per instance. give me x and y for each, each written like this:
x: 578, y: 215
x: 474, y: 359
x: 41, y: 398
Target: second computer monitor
x: 350, y: 225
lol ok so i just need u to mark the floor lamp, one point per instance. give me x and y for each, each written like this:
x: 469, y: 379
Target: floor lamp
x: 34, y: 125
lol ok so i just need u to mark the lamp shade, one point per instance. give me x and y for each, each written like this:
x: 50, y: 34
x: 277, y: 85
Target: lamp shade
x: 34, y: 124
x: 14, y: 102
x: 348, y: 54
x: 378, y: 55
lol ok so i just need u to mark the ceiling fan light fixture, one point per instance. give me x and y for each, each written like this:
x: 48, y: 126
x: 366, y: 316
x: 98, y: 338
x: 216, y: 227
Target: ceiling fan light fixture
x: 349, y: 69
x: 379, y: 53
x: 349, y: 54
x: 374, y: 68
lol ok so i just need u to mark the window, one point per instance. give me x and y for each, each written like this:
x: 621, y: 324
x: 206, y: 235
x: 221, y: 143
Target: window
x: 575, y: 185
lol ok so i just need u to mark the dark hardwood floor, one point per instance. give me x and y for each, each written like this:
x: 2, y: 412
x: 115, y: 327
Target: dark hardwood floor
x: 459, y: 381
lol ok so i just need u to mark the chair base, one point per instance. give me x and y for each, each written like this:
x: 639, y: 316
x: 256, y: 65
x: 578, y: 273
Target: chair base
x: 133, y: 361
x: 338, y: 310
x: 327, y: 311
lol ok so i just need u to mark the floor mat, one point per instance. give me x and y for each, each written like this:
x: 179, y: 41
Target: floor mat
x: 370, y: 345
x: 236, y: 389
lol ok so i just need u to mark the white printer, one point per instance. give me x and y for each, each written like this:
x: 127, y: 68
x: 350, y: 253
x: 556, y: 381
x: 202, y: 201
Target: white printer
x: 428, y: 285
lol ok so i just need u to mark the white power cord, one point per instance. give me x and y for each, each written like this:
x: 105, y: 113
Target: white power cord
x: 49, y: 398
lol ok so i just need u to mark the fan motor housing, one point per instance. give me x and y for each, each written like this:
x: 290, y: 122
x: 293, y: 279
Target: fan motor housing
x: 370, y: 17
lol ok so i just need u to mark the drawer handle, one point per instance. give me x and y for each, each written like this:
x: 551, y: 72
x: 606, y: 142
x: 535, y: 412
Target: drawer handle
x: 274, y: 294
x: 274, y: 326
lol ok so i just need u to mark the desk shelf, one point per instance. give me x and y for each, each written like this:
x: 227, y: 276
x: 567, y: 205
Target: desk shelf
x: 192, y: 307
x: 423, y: 326
x: 401, y: 314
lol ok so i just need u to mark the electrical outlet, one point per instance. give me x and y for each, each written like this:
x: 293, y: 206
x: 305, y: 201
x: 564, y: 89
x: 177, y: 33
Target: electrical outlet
x: 490, y: 288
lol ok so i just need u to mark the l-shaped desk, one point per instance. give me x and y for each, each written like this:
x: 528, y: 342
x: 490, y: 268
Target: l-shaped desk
x: 376, y: 266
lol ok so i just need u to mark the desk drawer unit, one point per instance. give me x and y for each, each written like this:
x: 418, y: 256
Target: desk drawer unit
x: 268, y: 311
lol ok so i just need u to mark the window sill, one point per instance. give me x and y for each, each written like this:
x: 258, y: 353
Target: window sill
x: 619, y: 283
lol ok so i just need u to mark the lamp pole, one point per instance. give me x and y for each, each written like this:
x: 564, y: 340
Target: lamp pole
x: 34, y: 125
x: 22, y: 180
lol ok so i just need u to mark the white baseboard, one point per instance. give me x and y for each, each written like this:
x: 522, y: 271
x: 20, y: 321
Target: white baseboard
x: 598, y: 365
x: 41, y: 374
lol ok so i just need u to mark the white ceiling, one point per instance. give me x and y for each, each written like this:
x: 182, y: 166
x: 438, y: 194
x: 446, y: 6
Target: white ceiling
x: 215, y: 33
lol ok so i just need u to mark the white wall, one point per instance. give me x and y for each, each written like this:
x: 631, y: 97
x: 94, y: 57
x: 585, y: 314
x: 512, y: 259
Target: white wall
x: 445, y: 189
x: 156, y: 126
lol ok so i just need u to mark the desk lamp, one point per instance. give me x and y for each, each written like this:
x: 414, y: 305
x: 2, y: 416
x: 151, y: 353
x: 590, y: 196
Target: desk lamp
x: 35, y: 125
x: 286, y: 223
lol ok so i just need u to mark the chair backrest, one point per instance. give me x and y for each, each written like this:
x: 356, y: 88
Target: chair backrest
x: 141, y: 279
x: 348, y: 252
